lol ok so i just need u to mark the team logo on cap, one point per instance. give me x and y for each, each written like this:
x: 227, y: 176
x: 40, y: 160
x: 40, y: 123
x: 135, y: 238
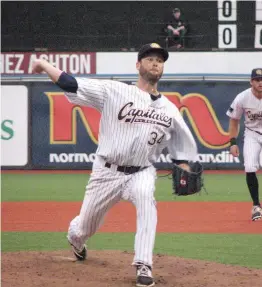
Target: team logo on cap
x: 259, y: 72
x: 154, y: 45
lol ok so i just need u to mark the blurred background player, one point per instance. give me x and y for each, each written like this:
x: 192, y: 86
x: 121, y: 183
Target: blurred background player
x: 249, y: 102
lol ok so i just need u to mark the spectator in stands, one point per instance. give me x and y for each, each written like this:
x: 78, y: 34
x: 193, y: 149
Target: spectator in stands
x: 176, y: 30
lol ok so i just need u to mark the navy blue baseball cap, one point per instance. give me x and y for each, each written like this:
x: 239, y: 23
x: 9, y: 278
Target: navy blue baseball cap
x: 152, y: 47
x: 256, y: 73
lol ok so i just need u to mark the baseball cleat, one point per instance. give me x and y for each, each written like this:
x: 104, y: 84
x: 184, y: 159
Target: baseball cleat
x: 144, y: 276
x: 256, y: 213
x: 79, y: 254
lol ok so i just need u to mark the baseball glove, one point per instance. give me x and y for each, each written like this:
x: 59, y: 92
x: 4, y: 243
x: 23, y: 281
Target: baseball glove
x: 187, y: 182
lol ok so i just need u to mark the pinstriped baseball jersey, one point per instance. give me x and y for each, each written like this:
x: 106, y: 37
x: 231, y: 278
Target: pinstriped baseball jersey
x: 247, y: 103
x: 133, y: 128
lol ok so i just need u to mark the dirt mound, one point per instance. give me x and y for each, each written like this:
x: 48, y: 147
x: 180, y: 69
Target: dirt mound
x: 113, y: 268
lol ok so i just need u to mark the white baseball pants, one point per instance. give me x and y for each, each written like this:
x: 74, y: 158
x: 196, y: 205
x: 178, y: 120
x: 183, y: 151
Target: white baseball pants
x: 105, y: 188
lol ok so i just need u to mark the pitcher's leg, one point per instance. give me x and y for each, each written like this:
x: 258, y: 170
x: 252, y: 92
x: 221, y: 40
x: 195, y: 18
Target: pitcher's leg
x: 141, y: 189
x: 103, y: 191
x: 146, y: 229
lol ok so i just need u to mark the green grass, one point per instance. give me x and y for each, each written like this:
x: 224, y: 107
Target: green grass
x: 71, y: 187
x: 235, y: 249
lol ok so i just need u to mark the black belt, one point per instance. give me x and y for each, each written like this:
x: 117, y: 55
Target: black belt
x: 126, y: 169
x: 255, y: 131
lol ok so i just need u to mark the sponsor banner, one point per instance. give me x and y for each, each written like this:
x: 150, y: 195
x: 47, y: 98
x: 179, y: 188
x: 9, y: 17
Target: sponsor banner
x: 104, y: 63
x: 65, y: 135
x: 14, y: 125
x: 60, y: 129
x: 214, y: 158
x: 70, y: 62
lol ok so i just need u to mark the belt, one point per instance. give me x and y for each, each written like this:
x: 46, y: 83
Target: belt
x: 255, y: 131
x: 125, y: 169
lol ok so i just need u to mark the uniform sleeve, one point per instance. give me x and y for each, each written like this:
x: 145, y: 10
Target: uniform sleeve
x: 90, y: 92
x: 236, y: 108
x: 182, y: 145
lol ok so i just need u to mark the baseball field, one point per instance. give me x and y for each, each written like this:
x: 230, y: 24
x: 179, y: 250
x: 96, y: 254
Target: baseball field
x: 202, y: 240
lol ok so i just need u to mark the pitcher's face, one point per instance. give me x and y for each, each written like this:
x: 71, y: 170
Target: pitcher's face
x: 151, y: 67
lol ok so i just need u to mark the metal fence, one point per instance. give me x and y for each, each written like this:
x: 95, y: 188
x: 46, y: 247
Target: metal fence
x: 116, y: 26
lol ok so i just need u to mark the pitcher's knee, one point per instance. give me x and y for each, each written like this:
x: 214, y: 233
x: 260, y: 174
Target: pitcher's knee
x: 146, y: 208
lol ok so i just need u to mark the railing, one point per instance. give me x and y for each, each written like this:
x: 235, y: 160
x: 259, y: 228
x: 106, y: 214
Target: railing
x: 166, y: 78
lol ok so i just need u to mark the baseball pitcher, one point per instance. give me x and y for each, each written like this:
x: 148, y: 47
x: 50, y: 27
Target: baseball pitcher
x: 249, y: 102
x: 137, y: 123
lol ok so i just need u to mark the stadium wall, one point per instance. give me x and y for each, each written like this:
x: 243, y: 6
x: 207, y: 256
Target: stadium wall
x: 40, y: 129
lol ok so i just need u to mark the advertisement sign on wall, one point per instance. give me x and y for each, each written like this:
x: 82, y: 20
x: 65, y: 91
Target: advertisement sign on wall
x: 14, y: 125
x: 74, y: 63
x: 65, y: 135
x: 104, y: 63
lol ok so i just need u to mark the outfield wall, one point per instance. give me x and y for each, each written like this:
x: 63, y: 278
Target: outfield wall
x: 40, y: 129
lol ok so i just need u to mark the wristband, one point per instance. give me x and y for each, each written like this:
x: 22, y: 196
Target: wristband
x: 233, y: 141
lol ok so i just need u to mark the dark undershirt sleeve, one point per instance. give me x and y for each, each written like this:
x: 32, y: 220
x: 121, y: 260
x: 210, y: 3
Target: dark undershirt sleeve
x: 67, y: 83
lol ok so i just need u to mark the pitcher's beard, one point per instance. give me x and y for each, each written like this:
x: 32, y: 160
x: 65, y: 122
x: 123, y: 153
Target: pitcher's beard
x: 149, y: 77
